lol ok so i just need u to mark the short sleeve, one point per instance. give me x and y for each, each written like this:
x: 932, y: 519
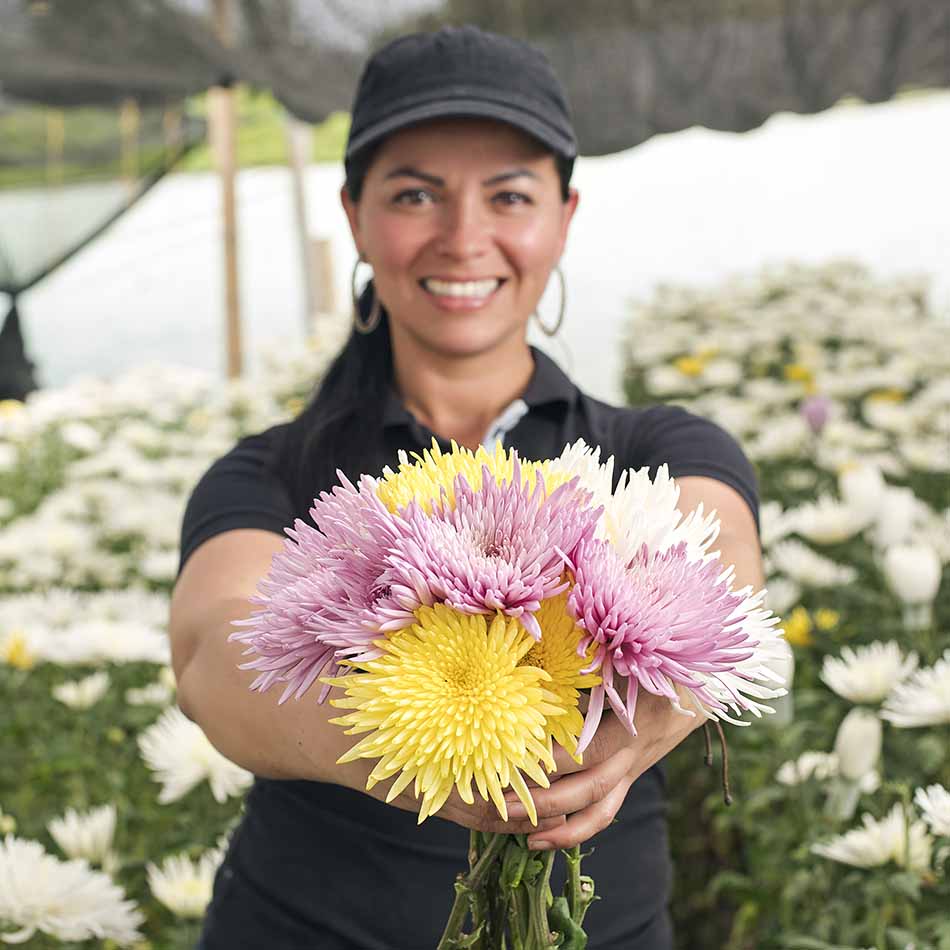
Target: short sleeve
x: 241, y: 490
x: 692, y: 445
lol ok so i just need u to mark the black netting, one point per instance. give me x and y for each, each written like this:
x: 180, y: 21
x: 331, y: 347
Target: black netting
x: 88, y: 89
x: 66, y: 173
x: 632, y: 67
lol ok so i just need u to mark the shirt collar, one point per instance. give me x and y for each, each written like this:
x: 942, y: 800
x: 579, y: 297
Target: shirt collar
x: 548, y: 384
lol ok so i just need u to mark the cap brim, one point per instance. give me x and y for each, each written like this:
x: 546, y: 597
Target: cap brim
x: 460, y: 108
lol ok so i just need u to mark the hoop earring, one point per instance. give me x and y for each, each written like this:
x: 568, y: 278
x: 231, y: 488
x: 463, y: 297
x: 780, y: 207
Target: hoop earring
x: 552, y: 331
x: 372, y: 321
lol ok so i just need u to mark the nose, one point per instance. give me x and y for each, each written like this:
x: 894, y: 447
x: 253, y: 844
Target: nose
x: 465, y: 228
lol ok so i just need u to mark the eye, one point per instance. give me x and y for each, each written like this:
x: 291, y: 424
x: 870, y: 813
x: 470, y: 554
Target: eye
x: 511, y: 199
x: 413, y: 197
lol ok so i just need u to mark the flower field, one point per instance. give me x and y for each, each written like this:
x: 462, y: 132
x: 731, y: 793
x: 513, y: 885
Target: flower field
x: 98, y: 764
x: 113, y: 807
x: 838, y: 387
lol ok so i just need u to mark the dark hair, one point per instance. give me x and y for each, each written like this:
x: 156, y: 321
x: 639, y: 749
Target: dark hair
x: 341, y: 426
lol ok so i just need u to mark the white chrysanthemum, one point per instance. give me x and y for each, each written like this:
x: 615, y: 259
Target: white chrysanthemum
x: 827, y: 521
x: 182, y: 885
x: 7, y: 823
x: 64, y: 899
x: 579, y: 460
x: 912, y: 572
x: 85, y: 835
x: 775, y: 523
x: 862, y: 487
x: 181, y: 756
x: 858, y: 744
x: 641, y: 510
x: 109, y: 641
x: 665, y: 380
x: 898, y: 517
x: 817, y: 765
x: 926, y: 453
x: 867, y: 674
x: 881, y: 841
x: 80, y: 436
x: 153, y: 694
x: 923, y: 699
x: 160, y: 565
x: 800, y: 562
x: 782, y: 594
x: 936, y: 534
x: 934, y: 804
x: 721, y: 374
x: 785, y: 435
x: 84, y: 693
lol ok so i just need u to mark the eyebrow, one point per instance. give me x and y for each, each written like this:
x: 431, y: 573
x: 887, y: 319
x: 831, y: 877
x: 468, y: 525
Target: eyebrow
x: 407, y: 171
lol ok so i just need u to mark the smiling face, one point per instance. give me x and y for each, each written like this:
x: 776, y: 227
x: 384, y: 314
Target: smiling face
x: 462, y: 221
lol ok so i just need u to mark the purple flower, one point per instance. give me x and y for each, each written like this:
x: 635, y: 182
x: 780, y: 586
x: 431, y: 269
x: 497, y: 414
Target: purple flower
x: 325, y: 598
x: 501, y: 548
x: 816, y: 410
x: 659, y: 621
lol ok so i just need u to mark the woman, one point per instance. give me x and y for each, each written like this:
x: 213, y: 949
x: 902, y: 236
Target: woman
x: 457, y: 194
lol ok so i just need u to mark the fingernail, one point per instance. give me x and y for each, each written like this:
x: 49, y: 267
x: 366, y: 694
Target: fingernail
x: 538, y: 845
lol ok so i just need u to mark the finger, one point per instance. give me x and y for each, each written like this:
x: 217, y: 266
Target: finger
x: 611, y: 735
x: 578, y: 791
x: 522, y: 827
x: 583, y: 825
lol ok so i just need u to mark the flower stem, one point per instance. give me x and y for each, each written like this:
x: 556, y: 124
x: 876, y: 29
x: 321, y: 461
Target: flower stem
x: 466, y: 886
x: 539, y: 902
x: 516, y: 928
x: 572, y: 886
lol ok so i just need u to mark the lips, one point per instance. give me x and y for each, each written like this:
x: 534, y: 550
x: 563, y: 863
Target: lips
x: 467, y: 289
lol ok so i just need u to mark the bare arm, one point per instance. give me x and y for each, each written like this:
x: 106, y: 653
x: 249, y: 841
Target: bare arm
x: 291, y: 741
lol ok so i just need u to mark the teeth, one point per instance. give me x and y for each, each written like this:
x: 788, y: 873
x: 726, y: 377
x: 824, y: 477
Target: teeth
x: 461, y: 288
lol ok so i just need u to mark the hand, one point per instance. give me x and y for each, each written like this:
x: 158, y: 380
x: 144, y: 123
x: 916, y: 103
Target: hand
x: 588, y: 796
x: 479, y: 816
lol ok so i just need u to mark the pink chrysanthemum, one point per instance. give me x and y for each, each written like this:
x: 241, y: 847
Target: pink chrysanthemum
x: 324, y: 598
x: 500, y: 548
x: 665, y: 620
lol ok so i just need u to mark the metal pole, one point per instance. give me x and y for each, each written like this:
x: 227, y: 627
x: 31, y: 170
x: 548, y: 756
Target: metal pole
x: 223, y: 129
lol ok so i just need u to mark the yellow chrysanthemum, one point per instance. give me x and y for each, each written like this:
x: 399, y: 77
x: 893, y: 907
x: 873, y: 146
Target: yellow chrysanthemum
x: 15, y: 651
x: 447, y: 703
x: 556, y: 654
x: 798, y: 628
x: 424, y: 479
x: 798, y: 373
x: 887, y: 395
x: 690, y: 365
x: 826, y: 619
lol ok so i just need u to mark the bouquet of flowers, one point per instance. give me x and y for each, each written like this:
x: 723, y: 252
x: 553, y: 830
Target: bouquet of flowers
x: 463, y: 604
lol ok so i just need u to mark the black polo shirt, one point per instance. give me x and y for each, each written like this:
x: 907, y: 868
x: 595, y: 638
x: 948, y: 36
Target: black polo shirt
x: 318, y: 865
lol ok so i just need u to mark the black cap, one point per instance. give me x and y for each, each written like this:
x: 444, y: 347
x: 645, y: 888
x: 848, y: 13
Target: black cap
x: 460, y: 72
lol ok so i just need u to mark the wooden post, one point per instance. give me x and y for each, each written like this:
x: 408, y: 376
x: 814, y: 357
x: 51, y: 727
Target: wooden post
x: 321, y: 257
x: 222, y: 118
x: 172, y: 131
x: 299, y: 146
x: 130, y: 120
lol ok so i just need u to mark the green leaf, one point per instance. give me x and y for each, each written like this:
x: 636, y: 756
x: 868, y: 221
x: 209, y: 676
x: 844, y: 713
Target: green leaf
x: 906, y: 884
